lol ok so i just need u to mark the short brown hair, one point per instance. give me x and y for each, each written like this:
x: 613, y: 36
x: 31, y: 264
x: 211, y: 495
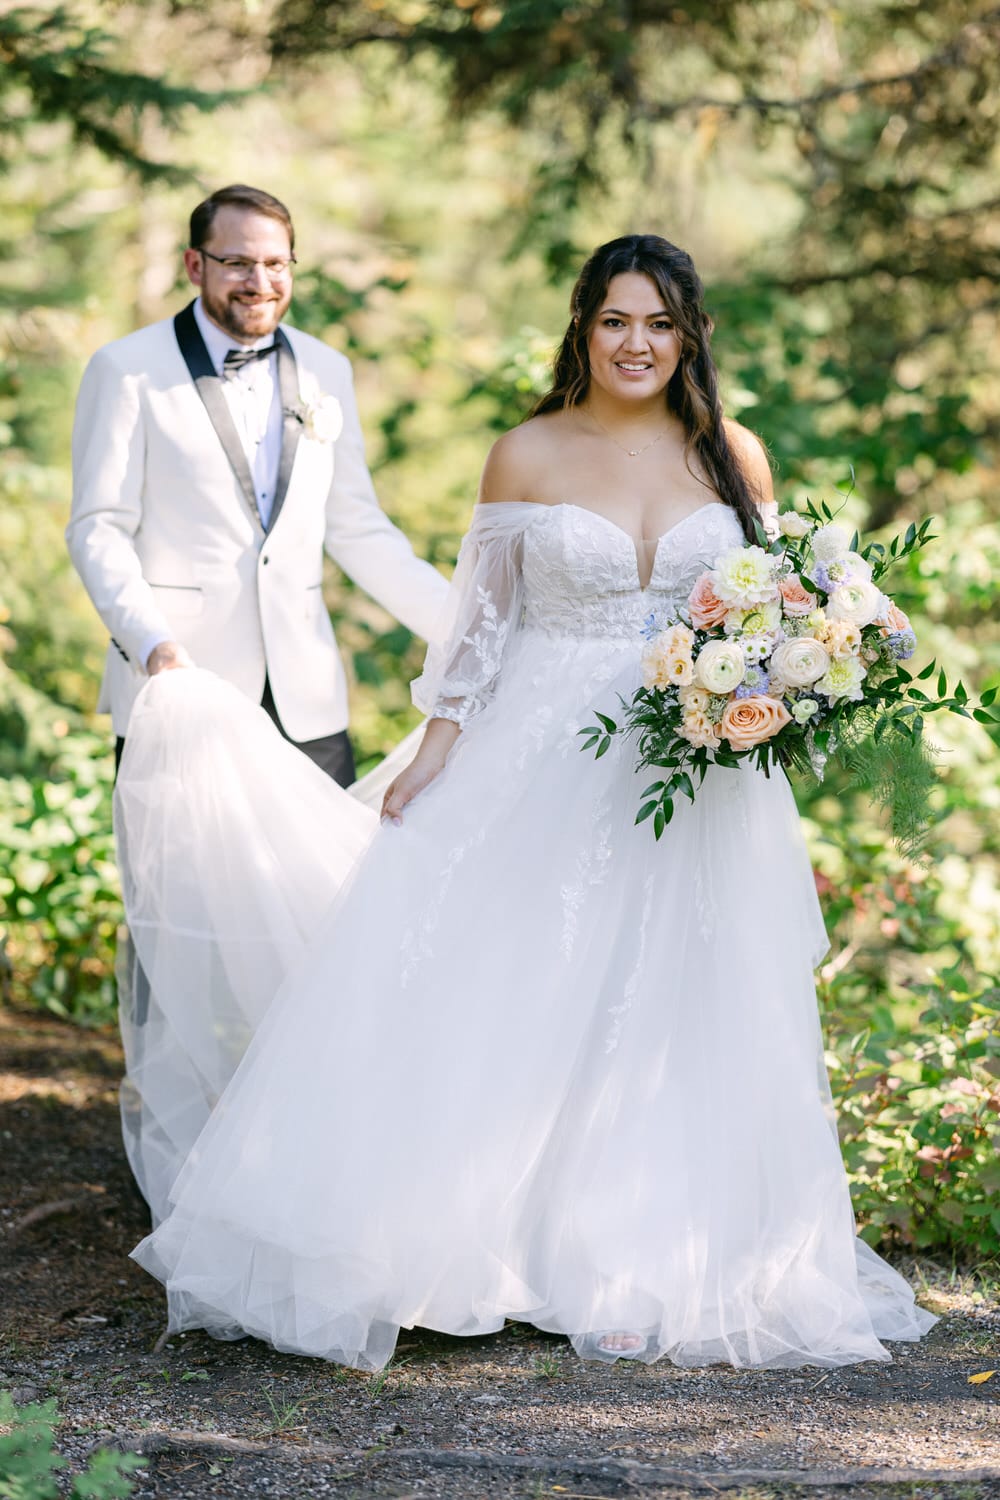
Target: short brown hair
x: 237, y: 195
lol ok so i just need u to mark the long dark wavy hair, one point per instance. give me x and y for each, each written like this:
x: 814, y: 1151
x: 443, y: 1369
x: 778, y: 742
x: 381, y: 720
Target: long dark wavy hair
x: 693, y: 391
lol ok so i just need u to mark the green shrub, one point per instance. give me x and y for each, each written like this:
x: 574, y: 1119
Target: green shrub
x: 918, y: 1101
x: 60, y: 902
x: 29, y: 1461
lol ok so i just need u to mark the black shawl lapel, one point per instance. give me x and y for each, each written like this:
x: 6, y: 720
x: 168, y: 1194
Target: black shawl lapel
x: 209, y: 387
x: 291, y: 429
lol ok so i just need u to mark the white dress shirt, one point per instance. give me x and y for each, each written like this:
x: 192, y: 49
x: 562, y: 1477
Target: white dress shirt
x: 254, y: 399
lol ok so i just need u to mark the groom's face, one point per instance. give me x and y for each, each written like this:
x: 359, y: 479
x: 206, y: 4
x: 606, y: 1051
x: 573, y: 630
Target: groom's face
x: 250, y: 304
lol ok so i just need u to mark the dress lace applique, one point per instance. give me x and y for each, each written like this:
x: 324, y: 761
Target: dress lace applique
x: 592, y: 865
x: 633, y: 983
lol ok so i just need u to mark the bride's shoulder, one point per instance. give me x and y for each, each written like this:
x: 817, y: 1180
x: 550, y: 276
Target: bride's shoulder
x: 518, y: 462
x: 751, y: 455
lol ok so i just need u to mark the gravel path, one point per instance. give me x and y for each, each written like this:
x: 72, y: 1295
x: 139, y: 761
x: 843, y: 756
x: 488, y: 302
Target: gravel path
x: 513, y: 1415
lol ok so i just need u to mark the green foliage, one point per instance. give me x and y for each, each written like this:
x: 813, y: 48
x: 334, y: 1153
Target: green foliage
x: 918, y: 1101
x: 899, y: 772
x: 60, y: 903
x: 29, y: 1461
x: 59, y: 67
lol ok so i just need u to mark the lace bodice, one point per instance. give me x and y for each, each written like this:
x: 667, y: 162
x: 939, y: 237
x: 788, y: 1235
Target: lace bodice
x: 581, y: 571
x: 561, y: 569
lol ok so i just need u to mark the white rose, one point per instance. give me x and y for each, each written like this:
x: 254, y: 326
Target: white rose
x: 830, y: 542
x: 719, y: 667
x: 322, y: 419
x: 857, y: 602
x: 792, y: 525
x: 800, y: 661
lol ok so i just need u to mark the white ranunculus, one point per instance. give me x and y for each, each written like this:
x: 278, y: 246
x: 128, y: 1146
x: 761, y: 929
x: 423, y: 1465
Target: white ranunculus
x: 745, y: 577
x: 792, y: 525
x: 800, y: 661
x: 719, y: 666
x: 830, y: 542
x: 803, y: 710
x: 858, y: 602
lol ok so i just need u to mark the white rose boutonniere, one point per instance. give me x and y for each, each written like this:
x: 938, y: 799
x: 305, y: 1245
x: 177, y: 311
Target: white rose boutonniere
x: 321, y: 418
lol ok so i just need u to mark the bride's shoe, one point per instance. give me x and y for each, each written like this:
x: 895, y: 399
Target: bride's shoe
x: 624, y: 1344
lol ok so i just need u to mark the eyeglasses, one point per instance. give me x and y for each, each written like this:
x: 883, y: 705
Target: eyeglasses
x: 238, y: 267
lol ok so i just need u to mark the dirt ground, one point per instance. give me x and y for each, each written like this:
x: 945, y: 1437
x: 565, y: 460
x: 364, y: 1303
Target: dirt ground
x: 514, y: 1415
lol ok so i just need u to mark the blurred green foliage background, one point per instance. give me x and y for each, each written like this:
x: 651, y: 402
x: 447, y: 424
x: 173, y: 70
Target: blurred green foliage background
x: 449, y: 163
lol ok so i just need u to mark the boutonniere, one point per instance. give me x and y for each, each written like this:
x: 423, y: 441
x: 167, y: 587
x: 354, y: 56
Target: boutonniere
x: 321, y: 418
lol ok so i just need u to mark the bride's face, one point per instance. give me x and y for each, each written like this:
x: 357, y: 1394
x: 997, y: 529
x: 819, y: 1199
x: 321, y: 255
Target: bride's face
x: 633, y: 346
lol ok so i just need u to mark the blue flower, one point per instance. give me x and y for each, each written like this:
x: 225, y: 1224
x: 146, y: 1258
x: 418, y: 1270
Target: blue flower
x: 756, y: 681
x: 649, y: 626
x: 902, y: 644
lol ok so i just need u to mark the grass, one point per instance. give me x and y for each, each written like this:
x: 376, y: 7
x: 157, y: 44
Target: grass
x: 285, y: 1414
x: 377, y: 1382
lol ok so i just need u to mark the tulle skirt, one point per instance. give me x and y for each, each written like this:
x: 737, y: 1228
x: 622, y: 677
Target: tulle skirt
x: 533, y: 1064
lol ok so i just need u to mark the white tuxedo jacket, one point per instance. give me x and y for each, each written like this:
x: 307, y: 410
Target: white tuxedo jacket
x: 165, y: 534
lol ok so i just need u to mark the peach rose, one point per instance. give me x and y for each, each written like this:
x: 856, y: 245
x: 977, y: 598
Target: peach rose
x: 750, y: 721
x: 893, y: 620
x: 795, y: 600
x: 704, y: 604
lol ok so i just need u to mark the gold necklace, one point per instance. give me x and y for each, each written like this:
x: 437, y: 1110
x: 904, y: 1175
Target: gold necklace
x: 631, y: 452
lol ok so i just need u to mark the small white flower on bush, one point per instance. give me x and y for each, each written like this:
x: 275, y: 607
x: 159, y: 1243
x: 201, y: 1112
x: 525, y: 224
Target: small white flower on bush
x: 321, y: 418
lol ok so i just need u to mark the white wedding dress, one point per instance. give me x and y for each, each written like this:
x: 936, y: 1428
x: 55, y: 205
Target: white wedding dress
x: 531, y: 1063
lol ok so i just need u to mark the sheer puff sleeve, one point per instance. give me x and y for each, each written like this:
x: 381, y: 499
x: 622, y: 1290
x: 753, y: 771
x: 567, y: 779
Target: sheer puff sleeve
x: 482, y: 613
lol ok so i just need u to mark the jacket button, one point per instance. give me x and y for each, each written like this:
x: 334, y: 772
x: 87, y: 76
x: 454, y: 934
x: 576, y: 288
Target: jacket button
x: 265, y: 561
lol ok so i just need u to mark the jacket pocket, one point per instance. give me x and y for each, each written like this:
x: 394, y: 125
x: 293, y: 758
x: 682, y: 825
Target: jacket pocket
x: 179, y: 598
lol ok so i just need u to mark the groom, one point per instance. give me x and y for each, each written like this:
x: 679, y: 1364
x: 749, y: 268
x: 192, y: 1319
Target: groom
x: 216, y: 456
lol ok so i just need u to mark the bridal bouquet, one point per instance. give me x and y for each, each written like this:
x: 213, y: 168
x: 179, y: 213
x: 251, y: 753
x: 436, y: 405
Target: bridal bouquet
x: 788, y: 651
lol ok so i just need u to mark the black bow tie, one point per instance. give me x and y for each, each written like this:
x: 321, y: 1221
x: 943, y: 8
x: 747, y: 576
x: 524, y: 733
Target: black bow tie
x: 236, y: 359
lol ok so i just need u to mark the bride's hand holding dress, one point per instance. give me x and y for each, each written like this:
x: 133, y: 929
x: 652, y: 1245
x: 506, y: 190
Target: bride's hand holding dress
x: 428, y: 763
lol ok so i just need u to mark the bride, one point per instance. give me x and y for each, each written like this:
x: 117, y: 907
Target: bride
x: 533, y: 1064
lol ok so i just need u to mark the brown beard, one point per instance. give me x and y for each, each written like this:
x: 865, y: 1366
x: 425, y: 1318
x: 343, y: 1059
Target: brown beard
x: 230, y: 315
